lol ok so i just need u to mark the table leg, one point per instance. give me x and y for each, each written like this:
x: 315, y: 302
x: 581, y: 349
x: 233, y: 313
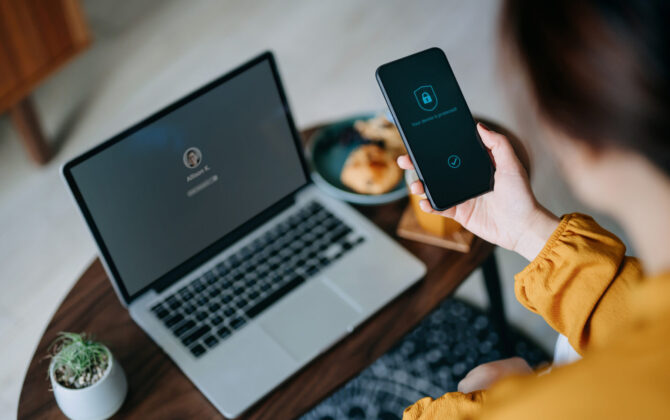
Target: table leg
x: 496, y: 307
x: 26, y: 122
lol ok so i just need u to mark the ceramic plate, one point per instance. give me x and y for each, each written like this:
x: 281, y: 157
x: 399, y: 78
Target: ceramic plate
x: 327, y: 153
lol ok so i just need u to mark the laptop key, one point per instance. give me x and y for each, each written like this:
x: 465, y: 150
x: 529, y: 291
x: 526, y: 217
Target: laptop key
x: 237, y: 322
x: 234, y: 260
x: 211, y: 341
x: 285, y: 253
x: 223, y: 332
x: 195, y: 335
x: 201, y: 315
x: 332, y: 250
x: 216, y: 320
x: 341, y: 233
x: 222, y: 269
x: 188, y: 309
x: 274, y: 296
x: 184, y: 327
x: 174, y: 320
x: 210, y: 278
x: 228, y: 311
x: 162, y: 313
x: 198, y: 350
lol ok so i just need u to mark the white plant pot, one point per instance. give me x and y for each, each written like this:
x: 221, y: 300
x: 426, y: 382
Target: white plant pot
x: 96, y: 402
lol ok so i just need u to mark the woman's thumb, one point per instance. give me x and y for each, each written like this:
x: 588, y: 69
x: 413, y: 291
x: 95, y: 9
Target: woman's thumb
x: 500, y: 147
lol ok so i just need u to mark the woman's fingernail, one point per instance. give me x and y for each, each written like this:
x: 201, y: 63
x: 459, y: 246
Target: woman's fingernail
x: 414, y: 189
x: 483, y: 126
x: 425, y: 206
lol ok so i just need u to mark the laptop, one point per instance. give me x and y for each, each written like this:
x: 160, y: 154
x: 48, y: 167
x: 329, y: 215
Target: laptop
x: 220, y: 246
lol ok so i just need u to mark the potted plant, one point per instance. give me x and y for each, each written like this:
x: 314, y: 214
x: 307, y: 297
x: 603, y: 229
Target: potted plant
x: 87, y: 381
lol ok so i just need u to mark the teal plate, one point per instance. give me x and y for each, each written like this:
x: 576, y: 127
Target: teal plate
x: 327, y: 154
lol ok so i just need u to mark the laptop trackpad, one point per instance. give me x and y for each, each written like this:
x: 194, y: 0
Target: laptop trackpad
x: 309, y: 320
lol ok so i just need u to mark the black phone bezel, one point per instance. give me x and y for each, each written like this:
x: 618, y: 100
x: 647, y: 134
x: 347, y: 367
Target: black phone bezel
x: 409, y: 149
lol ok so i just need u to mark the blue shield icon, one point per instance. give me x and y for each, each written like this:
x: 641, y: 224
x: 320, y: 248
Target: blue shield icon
x: 425, y: 97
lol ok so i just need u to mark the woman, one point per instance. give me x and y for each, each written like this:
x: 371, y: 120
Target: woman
x: 599, y: 74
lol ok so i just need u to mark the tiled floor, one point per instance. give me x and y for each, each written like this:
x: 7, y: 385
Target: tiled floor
x: 148, y: 53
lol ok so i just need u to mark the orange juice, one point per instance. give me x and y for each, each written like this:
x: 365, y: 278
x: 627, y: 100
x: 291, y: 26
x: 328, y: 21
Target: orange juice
x: 432, y: 223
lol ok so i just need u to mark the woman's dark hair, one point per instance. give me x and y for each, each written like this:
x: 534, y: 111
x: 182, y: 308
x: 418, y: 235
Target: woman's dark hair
x: 598, y: 70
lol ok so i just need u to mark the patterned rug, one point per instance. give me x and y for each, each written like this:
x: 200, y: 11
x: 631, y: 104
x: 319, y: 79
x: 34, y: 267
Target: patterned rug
x: 428, y: 361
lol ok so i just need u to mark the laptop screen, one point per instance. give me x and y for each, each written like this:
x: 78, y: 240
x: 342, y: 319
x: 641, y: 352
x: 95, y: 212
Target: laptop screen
x: 169, y: 189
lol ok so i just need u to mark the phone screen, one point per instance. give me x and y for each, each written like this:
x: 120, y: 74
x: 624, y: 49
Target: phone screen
x: 437, y: 127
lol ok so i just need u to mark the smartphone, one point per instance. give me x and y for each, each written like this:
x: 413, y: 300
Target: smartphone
x: 437, y: 127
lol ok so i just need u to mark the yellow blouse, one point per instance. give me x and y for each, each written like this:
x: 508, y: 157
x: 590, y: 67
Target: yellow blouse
x: 585, y: 287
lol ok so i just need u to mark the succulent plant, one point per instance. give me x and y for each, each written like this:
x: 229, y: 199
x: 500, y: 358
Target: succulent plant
x: 78, y: 360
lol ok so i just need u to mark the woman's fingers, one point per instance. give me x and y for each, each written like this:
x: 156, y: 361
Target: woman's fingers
x: 425, y: 206
x: 485, y: 375
x: 404, y: 162
x: 416, y: 188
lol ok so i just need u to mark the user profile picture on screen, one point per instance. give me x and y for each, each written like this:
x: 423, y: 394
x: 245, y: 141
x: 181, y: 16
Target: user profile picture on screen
x: 192, y: 157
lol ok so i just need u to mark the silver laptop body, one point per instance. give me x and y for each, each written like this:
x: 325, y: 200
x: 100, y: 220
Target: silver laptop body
x: 241, y: 317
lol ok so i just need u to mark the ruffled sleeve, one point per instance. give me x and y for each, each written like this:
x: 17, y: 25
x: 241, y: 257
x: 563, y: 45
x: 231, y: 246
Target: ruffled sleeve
x: 454, y: 405
x: 581, y: 282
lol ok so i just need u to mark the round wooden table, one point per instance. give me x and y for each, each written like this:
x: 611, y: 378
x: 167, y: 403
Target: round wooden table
x: 158, y: 389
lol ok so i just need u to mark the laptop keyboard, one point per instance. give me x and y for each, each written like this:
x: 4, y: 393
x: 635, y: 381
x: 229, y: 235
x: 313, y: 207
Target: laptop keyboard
x: 221, y: 301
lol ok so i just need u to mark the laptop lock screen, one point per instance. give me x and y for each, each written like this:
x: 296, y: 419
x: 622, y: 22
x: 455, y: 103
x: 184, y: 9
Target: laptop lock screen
x: 174, y: 187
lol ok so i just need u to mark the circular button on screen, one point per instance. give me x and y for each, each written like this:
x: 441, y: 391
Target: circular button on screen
x: 454, y: 161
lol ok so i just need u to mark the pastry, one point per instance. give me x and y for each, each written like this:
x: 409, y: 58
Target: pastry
x: 370, y: 169
x: 381, y: 129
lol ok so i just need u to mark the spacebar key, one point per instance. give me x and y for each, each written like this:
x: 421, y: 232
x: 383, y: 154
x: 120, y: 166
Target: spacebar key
x: 274, y: 296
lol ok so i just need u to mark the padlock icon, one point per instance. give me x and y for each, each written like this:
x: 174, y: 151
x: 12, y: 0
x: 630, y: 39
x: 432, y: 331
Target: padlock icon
x: 425, y: 97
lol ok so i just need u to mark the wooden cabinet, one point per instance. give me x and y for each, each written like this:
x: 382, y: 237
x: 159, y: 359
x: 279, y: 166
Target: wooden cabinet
x: 36, y: 38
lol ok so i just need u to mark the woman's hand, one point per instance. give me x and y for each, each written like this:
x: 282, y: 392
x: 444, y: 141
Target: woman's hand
x: 485, y: 375
x: 508, y: 216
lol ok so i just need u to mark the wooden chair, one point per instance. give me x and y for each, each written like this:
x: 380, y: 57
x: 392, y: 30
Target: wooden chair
x: 36, y: 38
